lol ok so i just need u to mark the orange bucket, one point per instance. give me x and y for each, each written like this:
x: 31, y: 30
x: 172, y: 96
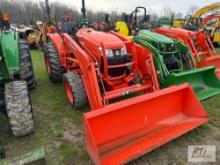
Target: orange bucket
x: 123, y: 131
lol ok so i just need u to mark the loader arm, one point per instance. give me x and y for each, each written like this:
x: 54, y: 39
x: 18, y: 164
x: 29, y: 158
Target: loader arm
x: 146, y: 56
x: 67, y: 47
x: 181, y: 68
x: 206, y: 9
x: 183, y: 36
x: 209, y: 18
x: 158, y: 59
x: 188, y: 38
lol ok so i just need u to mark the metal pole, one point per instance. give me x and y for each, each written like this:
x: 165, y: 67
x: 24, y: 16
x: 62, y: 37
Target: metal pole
x: 48, y: 11
x: 83, y: 10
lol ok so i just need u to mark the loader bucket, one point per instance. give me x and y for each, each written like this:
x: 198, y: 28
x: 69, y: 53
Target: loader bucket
x: 123, y: 131
x: 203, y: 81
x: 212, y: 61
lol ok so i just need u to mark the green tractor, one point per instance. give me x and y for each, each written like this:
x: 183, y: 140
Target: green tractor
x: 175, y: 65
x: 16, y: 78
x: 173, y: 61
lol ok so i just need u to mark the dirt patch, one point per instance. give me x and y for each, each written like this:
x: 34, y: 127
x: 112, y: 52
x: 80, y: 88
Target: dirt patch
x: 75, y: 134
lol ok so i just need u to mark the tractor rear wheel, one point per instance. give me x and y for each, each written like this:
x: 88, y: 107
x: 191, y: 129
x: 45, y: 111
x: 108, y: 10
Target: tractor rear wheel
x: 26, y: 72
x: 19, y: 108
x: 52, y: 63
x: 75, y: 91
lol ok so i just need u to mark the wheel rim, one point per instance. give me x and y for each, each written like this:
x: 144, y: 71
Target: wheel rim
x: 69, y: 92
x: 47, y: 64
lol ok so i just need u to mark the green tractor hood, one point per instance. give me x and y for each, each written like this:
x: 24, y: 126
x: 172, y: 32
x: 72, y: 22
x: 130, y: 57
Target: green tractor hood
x: 151, y: 36
x: 9, y: 55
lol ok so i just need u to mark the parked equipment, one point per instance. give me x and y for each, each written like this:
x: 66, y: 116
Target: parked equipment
x: 193, y: 20
x: 200, y: 45
x: 105, y: 66
x: 132, y: 23
x: 16, y: 76
x: 199, y: 21
x: 175, y: 65
x: 196, y: 22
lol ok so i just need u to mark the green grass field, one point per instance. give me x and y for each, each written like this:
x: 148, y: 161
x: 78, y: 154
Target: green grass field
x: 59, y: 129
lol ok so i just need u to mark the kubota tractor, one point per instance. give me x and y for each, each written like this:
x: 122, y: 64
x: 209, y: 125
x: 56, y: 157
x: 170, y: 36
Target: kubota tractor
x: 102, y: 67
x: 16, y: 76
x: 199, y: 44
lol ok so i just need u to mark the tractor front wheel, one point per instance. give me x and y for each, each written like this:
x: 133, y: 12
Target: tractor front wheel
x: 19, y: 108
x: 52, y: 63
x: 75, y: 91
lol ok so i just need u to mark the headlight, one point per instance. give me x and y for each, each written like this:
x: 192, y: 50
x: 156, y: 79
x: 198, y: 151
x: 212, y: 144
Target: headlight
x: 109, y: 53
x: 112, y: 53
x: 173, y: 47
x: 162, y: 46
x: 194, y: 38
x: 123, y: 51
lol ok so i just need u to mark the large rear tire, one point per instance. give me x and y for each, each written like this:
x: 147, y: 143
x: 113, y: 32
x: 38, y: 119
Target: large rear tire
x: 19, y: 108
x: 52, y: 63
x: 26, y: 71
x: 75, y: 91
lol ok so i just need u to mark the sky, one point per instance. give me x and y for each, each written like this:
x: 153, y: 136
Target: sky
x: 129, y: 5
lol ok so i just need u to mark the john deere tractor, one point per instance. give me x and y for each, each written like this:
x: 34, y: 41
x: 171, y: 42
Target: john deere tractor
x: 175, y: 65
x: 172, y: 58
x: 16, y: 77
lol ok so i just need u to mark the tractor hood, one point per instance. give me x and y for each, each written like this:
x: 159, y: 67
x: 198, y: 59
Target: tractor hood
x: 89, y: 36
x: 155, y: 37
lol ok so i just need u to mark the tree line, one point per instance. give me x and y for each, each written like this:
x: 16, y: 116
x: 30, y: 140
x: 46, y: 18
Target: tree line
x: 24, y: 11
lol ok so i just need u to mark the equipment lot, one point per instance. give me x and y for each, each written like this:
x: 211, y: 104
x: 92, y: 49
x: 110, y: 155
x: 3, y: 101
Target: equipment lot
x: 59, y: 128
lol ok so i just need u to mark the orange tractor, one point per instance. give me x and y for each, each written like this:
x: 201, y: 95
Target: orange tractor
x: 200, y: 45
x: 105, y: 68
x: 102, y: 67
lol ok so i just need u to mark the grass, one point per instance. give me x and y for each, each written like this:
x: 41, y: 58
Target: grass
x: 59, y: 129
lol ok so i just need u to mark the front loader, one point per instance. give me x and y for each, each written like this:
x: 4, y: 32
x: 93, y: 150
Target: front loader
x: 199, y: 44
x: 16, y: 77
x: 106, y: 70
x: 175, y: 65
x: 173, y: 61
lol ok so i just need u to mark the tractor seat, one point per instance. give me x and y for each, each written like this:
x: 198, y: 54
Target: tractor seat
x: 122, y: 28
x: 172, y: 63
x: 69, y: 28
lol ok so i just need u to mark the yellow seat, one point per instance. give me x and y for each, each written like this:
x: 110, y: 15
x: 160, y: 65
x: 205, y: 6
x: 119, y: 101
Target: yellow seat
x: 122, y: 28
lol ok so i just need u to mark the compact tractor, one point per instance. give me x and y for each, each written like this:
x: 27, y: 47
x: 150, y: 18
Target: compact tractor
x: 175, y: 65
x: 130, y: 24
x: 118, y: 79
x: 16, y: 77
x: 102, y: 67
x: 199, y: 44
x: 172, y: 59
